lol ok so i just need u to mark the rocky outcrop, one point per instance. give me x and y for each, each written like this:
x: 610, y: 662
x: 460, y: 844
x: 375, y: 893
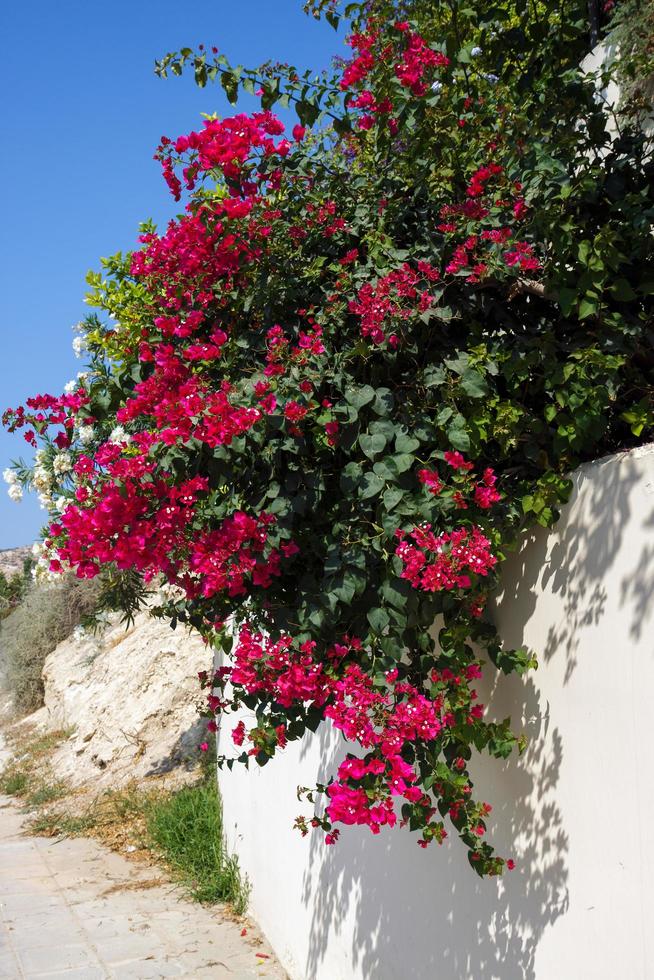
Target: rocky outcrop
x: 11, y: 559
x: 131, y: 701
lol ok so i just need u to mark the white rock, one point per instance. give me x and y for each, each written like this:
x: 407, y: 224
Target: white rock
x: 133, y: 704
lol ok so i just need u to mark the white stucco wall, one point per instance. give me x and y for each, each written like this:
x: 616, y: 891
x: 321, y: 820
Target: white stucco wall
x: 576, y: 811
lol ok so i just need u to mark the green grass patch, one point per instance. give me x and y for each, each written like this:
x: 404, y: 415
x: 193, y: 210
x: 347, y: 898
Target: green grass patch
x: 186, y: 829
x: 45, y: 793
x: 13, y: 782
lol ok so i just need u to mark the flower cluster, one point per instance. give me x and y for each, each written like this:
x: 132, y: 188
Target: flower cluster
x: 466, y: 488
x: 225, y: 145
x: 237, y: 552
x: 385, y: 720
x: 444, y: 562
x: 392, y: 301
x: 497, y: 206
x: 416, y: 61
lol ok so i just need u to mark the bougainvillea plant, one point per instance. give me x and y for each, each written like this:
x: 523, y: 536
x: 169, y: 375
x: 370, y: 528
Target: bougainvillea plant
x: 334, y: 391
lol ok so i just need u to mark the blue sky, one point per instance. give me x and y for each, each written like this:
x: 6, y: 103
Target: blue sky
x: 82, y: 113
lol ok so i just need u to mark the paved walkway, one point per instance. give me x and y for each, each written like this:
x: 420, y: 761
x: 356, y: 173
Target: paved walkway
x: 72, y: 909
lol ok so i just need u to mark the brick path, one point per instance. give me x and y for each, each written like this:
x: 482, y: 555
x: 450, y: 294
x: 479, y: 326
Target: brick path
x: 65, y: 912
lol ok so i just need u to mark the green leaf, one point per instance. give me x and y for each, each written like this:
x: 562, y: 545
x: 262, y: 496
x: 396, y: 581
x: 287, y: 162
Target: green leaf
x: 371, y: 485
x: 200, y: 73
x: 403, y: 462
x: 434, y: 377
x: 229, y: 83
x: 378, y: 619
x: 474, y: 384
x: 392, y: 497
x: 350, y: 476
x: 358, y: 397
x: 587, y: 307
x: 384, y: 469
x: 396, y: 592
x: 384, y: 402
x: 622, y: 291
x: 372, y: 445
x: 307, y: 111
x: 406, y: 444
x: 457, y: 434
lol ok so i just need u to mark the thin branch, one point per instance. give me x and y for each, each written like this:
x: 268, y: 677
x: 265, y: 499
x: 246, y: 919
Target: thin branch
x: 519, y: 287
x: 534, y: 288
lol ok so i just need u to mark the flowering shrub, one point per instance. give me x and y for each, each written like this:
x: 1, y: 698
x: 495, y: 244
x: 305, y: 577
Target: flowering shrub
x: 334, y: 391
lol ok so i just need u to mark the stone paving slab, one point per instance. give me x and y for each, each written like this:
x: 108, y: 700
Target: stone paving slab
x: 72, y: 910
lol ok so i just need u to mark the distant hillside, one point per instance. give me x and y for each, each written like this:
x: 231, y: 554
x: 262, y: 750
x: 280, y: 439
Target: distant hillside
x: 11, y: 559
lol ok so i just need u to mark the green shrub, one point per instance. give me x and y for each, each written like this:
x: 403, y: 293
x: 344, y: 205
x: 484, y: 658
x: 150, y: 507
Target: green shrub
x: 45, y: 617
x: 13, y: 588
x: 186, y: 828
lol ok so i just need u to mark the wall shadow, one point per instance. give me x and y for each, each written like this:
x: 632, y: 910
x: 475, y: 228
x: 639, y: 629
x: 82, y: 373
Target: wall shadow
x: 425, y: 914
x: 574, y: 562
x: 637, y: 588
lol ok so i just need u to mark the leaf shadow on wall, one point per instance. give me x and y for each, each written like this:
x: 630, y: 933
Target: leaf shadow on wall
x: 574, y: 562
x: 419, y: 915
x: 637, y: 587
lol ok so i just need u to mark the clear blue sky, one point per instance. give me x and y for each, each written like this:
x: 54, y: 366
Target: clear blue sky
x: 82, y: 113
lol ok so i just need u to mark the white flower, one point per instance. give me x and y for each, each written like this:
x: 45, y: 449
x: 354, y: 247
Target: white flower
x: 475, y: 52
x: 86, y: 434
x: 15, y: 492
x: 41, y: 572
x: 61, y: 503
x: 437, y: 86
x: 62, y: 463
x: 9, y: 477
x: 78, y: 346
x: 41, y: 478
x: 79, y: 327
x: 493, y: 79
x: 70, y: 387
x: 45, y: 501
x: 119, y: 435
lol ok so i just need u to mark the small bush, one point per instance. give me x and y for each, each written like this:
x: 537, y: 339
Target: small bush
x: 187, y: 830
x: 45, y: 617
